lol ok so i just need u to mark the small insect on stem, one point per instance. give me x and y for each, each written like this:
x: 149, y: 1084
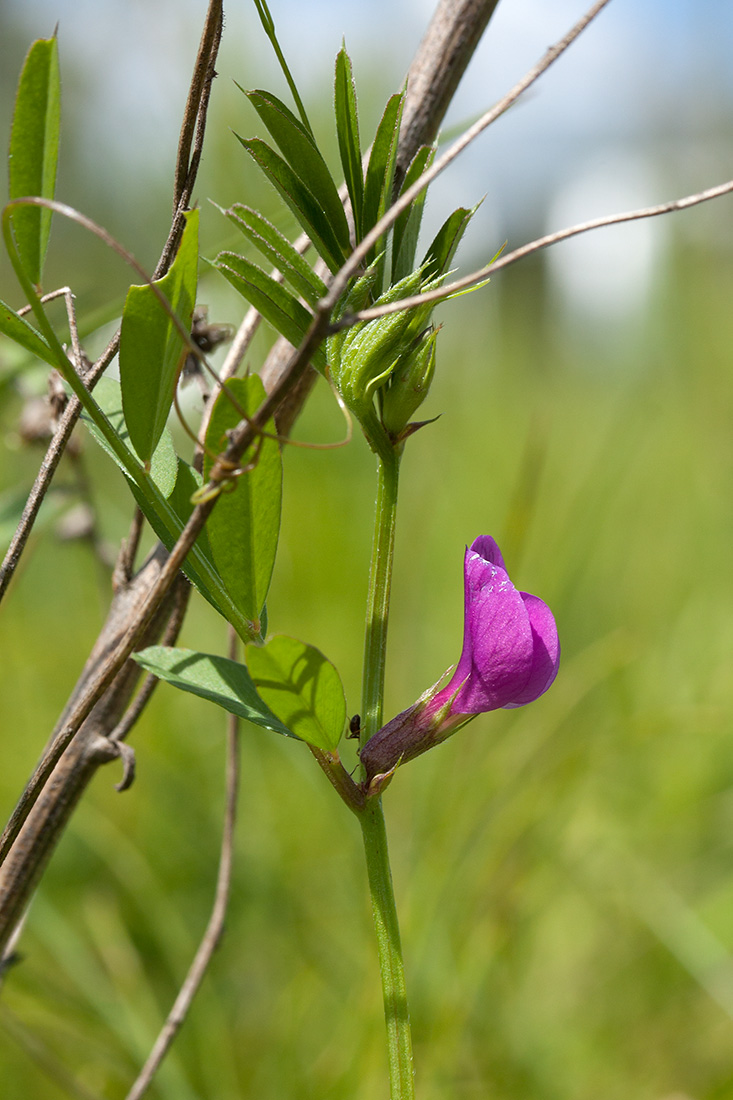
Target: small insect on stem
x: 354, y: 726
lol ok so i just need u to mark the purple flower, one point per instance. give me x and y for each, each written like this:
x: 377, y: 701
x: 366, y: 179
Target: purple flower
x: 510, y: 657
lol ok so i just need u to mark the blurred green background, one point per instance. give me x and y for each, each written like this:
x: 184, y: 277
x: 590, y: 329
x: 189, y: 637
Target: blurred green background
x: 564, y: 871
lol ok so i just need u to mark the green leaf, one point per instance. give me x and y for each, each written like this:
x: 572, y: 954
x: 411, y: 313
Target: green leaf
x: 446, y: 241
x: 188, y: 481
x: 276, y: 304
x: 302, y: 687
x: 34, y: 150
x: 18, y: 330
x: 347, y: 129
x: 243, y: 529
x: 163, y: 465
x: 221, y: 681
x: 407, y: 227
x: 198, y: 568
x: 279, y: 251
x: 380, y: 171
x: 301, y: 152
x: 152, y: 349
x: 305, y: 207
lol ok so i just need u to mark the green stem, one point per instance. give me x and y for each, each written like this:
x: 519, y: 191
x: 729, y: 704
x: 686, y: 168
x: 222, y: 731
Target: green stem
x: 399, y: 1039
x: 380, y: 584
x: 391, y: 966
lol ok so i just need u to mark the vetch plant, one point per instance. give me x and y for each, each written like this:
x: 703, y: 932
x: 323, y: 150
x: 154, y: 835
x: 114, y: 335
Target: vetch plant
x: 358, y: 314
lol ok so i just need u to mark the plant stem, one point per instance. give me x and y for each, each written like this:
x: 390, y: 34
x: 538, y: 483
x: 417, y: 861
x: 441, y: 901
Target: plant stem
x: 380, y: 583
x: 391, y: 966
x: 399, y: 1039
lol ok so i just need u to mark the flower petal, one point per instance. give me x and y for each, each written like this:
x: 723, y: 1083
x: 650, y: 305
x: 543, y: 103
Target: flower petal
x: 546, y: 651
x: 488, y: 549
x: 498, y: 644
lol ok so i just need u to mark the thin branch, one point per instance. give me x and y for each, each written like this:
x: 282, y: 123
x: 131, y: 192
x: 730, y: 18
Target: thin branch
x: 534, y: 246
x: 65, y: 293
x: 341, y: 278
x: 193, y: 128
x: 170, y: 637
x: 436, y: 71
x: 215, y: 927
x: 48, y: 468
x: 125, y: 564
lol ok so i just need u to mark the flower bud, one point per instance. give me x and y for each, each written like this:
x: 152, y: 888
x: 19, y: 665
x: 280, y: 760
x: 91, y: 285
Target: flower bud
x: 409, y: 383
x: 368, y: 351
x: 363, y: 358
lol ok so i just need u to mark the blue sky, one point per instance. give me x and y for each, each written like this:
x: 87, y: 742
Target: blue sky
x: 642, y: 68
x: 641, y: 106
